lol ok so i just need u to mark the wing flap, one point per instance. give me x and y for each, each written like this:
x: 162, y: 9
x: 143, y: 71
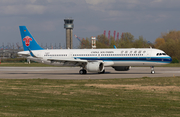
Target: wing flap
x: 69, y: 60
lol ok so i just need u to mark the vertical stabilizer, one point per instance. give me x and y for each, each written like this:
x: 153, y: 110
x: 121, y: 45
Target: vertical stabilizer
x: 27, y: 40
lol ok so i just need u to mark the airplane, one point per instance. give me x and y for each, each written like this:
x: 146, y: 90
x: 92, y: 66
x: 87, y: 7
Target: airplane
x: 92, y: 60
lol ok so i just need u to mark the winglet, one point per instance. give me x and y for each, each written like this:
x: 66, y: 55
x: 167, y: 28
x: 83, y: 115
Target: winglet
x: 115, y: 47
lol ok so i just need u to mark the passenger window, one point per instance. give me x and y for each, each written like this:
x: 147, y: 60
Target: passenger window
x: 144, y: 51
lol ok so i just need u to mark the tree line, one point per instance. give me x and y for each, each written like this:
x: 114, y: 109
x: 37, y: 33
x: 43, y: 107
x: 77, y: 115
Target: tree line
x: 168, y: 42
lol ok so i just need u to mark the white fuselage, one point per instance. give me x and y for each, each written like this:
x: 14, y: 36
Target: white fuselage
x: 110, y: 57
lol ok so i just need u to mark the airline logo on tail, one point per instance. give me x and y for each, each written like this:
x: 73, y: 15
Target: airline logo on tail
x: 27, y: 40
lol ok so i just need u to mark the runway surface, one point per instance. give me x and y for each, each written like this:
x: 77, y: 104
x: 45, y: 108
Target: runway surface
x: 73, y: 73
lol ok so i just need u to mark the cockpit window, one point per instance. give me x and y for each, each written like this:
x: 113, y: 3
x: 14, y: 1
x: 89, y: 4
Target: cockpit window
x: 159, y: 54
x: 164, y: 53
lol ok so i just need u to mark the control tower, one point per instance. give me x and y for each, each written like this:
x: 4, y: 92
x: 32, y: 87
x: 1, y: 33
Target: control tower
x: 68, y: 25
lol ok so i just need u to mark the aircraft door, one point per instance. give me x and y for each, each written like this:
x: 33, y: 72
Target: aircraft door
x: 148, y: 55
x: 70, y: 54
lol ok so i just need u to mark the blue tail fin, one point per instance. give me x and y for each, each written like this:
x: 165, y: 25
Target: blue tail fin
x: 27, y: 40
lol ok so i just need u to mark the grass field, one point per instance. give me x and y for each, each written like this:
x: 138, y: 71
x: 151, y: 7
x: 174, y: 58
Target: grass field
x: 143, y: 97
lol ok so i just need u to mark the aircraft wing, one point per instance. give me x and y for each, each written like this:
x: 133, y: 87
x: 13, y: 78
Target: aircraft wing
x: 70, y: 61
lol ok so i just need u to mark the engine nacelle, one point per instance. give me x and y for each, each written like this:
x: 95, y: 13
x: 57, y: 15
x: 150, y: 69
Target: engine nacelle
x: 95, y: 67
x: 121, y: 68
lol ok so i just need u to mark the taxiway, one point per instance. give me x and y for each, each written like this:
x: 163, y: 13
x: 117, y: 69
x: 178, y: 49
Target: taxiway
x: 73, y: 73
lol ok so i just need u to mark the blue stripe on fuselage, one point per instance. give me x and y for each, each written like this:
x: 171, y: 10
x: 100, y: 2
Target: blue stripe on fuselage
x: 138, y: 59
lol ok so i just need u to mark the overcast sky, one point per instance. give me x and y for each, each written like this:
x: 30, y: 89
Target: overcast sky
x: 45, y: 18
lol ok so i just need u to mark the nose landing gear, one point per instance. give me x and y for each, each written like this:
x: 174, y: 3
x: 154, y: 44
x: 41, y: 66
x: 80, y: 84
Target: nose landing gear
x: 152, y: 70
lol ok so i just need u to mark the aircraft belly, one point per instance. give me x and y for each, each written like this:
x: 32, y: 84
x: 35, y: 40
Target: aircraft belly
x: 134, y: 63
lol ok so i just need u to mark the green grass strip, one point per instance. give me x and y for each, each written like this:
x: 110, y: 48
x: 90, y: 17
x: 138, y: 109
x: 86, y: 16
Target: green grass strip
x: 143, y: 97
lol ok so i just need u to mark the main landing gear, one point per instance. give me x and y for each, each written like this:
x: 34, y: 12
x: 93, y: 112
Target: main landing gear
x: 152, y: 70
x: 82, y: 71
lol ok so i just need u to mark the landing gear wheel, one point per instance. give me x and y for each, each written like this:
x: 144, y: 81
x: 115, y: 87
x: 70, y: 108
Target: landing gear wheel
x: 152, y: 70
x: 82, y: 71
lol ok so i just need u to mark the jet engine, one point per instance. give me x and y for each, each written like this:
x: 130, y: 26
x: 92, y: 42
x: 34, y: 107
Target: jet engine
x: 121, y: 68
x: 95, y: 67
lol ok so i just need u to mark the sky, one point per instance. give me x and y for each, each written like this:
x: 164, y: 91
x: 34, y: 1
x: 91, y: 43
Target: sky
x: 45, y: 18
